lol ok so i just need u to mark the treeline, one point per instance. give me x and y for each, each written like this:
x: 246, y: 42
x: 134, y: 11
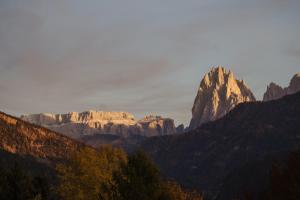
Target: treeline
x: 109, y: 174
x: 17, y: 184
x: 103, y: 174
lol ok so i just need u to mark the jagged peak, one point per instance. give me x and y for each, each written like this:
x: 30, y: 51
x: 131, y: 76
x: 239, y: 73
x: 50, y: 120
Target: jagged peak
x: 297, y: 75
x: 217, y: 70
x: 230, y: 75
x: 272, y: 84
x: 295, y: 78
x: 218, y: 76
x: 218, y: 93
x: 275, y: 91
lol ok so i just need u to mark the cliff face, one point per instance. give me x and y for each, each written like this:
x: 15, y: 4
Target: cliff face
x: 275, y: 92
x: 77, y: 125
x: 49, y: 119
x: 218, y: 93
x: 20, y: 137
x: 155, y: 125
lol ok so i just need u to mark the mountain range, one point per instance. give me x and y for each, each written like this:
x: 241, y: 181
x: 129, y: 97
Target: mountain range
x: 227, y: 150
x: 218, y: 93
x: 77, y: 125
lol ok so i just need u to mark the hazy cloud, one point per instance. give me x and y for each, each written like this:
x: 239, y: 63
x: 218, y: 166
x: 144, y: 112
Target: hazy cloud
x: 139, y: 56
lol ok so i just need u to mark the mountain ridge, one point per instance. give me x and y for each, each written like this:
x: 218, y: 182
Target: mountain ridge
x: 275, y: 91
x: 24, y: 138
x: 78, y: 125
x: 213, y: 153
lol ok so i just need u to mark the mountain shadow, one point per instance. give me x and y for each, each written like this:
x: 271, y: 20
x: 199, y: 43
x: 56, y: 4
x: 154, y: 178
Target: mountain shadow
x: 233, y: 155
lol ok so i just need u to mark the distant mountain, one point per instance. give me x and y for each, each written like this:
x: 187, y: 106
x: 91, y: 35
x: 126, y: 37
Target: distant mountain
x: 275, y: 91
x: 89, y: 123
x: 219, y: 92
x: 231, y: 155
x: 22, y: 138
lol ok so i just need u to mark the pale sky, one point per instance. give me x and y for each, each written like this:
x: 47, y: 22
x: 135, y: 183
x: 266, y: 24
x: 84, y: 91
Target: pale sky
x: 143, y: 57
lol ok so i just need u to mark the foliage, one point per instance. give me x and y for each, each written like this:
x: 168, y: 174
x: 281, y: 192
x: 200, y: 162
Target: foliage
x: 88, y: 173
x: 172, y: 191
x: 108, y: 174
x: 16, y: 184
x: 139, y: 179
x: 194, y: 195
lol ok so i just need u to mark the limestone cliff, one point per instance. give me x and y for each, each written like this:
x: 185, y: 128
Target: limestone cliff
x: 275, y: 92
x: 156, y: 125
x: 123, y: 124
x: 219, y: 92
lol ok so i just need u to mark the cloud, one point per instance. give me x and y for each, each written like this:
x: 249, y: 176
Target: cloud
x: 139, y: 56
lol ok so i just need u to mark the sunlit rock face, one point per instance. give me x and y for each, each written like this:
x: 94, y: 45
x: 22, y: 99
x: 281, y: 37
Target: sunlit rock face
x: 123, y: 124
x: 275, y: 92
x: 156, y: 125
x: 219, y: 92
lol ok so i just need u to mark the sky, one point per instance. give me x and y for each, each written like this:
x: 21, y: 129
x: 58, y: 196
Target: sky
x: 143, y: 57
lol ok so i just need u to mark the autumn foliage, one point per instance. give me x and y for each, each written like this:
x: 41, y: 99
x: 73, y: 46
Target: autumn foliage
x: 109, y: 174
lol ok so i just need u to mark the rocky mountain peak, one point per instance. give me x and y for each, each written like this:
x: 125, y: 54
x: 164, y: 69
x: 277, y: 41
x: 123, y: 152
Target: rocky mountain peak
x: 275, y: 91
x: 294, y: 84
x: 77, y: 125
x: 218, y: 93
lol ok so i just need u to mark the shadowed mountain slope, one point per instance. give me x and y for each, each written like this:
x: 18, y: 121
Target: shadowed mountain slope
x: 221, y: 152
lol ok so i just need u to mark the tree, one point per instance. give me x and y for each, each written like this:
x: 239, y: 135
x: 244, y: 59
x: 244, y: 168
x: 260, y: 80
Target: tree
x: 138, y: 179
x: 194, y: 195
x: 17, y: 184
x: 88, y: 173
x: 108, y: 174
x: 172, y: 191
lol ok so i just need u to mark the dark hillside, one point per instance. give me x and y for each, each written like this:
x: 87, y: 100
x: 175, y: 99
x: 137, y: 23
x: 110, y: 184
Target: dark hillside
x: 237, y: 149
